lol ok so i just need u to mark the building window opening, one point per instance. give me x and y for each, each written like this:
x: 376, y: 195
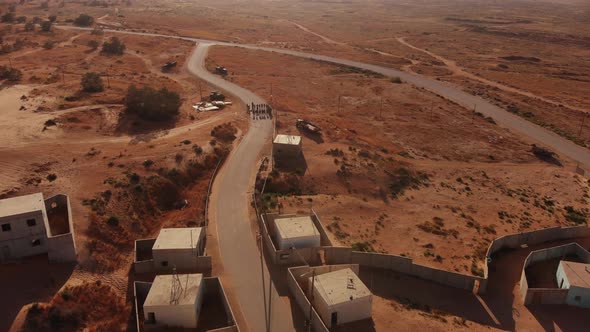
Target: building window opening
x: 578, y: 298
x: 165, y: 263
x: 31, y: 222
x: 36, y: 242
x: 6, y: 228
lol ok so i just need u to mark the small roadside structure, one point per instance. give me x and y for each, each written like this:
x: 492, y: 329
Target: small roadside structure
x: 190, y: 302
x: 575, y: 277
x: 296, y: 232
x: 287, y: 152
x: 294, y: 238
x: 174, y: 300
x: 31, y: 225
x: 340, y: 297
x: 182, y: 249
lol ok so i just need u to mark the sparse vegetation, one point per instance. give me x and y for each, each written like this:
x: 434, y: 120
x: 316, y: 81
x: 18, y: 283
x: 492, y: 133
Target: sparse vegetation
x: 225, y: 132
x: 402, y: 178
x: 84, y: 20
x: 113, y: 47
x: 10, y: 74
x: 151, y: 104
x: 92, y: 82
x: 545, y: 155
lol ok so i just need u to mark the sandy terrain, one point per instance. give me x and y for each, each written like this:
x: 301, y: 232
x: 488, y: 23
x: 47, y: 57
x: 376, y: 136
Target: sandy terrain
x: 481, y: 181
x: 471, y: 180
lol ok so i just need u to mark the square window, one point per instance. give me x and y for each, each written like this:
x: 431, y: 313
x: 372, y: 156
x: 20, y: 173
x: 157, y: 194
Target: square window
x: 6, y: 228
x: 578, y: 298
x: 31, y: 222
x: 165, y: 263
x: 36, y: 242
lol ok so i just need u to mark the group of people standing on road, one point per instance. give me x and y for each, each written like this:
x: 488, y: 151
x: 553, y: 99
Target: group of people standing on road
x: 259, y: 111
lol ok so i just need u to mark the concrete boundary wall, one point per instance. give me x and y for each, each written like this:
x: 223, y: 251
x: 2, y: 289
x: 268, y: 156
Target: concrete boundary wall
x: 342, y: 255
x: 62, y: 247
x: 548, y: 295
x: 534, y: 237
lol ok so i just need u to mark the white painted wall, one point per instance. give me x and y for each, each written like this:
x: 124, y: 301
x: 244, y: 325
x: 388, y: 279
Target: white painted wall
x: 357, y: 309
x: 177, y: 315
x: 183, y: 259
x: 300, y: 242
x: 583, y: 294
x: 17, y: 242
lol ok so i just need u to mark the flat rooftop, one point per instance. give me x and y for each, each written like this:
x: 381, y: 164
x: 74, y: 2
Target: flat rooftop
x: 21, y: 204
x: 340, y: 286
x: 186, y: 289
x: 578, y: 274
x: 178, y: 238
x: 287, y: 139
x: 295, y: 227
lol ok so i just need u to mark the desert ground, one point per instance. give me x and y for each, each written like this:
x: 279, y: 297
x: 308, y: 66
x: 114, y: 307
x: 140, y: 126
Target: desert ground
x: 397, y: 170
x: 465, y: 180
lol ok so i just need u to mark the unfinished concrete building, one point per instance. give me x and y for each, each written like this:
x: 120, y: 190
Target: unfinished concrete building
x: 294, y: 238
x: 287, y: 152
x: 340, y: 297
x: 174, y: 300
x: 190, y: 302
x: 182, y: 249
x: 30, y: 225
x: 296, y: 232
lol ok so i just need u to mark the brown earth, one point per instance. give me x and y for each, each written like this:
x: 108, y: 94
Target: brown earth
x: 469, y: 181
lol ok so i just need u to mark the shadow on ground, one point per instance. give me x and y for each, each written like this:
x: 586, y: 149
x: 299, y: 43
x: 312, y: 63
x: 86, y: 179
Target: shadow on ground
x: 31, y: 280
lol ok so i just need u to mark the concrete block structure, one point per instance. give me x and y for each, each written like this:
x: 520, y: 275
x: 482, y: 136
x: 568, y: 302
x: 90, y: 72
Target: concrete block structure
x: 296, y: 232
x: 182, y: 249
x: 174, y: 300
x: 186, y: 301
x: 30, y: 225
x: 294, y: 238
x: 575, y: 277
x: 340, y: 297
x: 287, y: 151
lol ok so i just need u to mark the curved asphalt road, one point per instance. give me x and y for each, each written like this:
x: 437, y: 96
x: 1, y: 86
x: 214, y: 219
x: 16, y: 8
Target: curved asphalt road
x: 504, y: 118
x: 237, y: 245
x: 240, y: 254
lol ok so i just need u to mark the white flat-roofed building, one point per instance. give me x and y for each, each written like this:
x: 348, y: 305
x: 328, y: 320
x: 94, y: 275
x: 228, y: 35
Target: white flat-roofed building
x: 287, y: 146
x: 296, y: 232
x: 174, y: 300
x: 178, y: 248
x: 23, y: 226
x: 340, y: 297
x: 575, y: 277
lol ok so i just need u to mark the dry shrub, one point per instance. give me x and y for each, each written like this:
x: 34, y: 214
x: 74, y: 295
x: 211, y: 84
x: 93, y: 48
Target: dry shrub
x: 225, y: 132
x: 89, y: 307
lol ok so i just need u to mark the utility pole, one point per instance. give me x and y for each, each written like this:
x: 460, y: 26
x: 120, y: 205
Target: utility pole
x: 200, y: 91
x: 582, y: 125
x: 339, y: 103
x: 311, y: 298
x: 10, y: 61
x: 473, y: 116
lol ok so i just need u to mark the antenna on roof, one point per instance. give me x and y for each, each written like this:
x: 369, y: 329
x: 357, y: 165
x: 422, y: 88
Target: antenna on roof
x: 176, y: 287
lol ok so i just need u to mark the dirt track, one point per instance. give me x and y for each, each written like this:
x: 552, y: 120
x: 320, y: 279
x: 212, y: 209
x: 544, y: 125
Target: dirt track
x: 451, y: 92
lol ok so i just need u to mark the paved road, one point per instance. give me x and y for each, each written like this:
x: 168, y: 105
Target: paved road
x: 239, y: 252
x: 506, y: 119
